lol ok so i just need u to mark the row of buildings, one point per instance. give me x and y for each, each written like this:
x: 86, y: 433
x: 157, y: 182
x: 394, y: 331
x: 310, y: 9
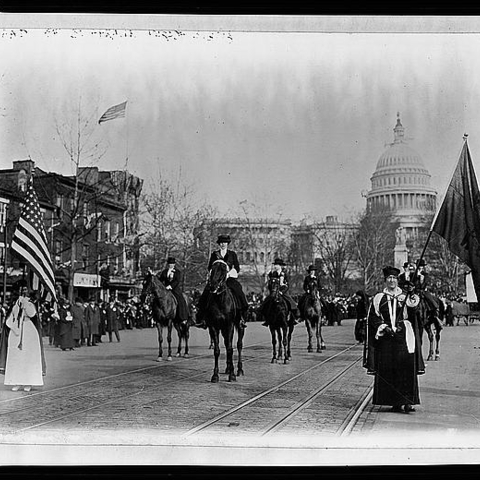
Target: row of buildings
x: 92, y: 223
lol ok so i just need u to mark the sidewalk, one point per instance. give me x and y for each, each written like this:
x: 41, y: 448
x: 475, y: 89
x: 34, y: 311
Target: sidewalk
x: 449, y: 413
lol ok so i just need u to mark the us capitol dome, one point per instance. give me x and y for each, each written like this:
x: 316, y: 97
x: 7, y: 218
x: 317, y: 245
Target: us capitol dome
x: 401, y: 184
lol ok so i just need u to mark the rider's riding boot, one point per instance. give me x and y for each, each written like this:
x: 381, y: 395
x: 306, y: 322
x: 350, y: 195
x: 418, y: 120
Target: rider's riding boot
x: 295, y: 317
x: 200, y: 321
x: 243, y: 321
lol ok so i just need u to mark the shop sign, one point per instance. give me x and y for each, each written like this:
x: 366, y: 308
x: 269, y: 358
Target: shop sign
x: 86, y: 280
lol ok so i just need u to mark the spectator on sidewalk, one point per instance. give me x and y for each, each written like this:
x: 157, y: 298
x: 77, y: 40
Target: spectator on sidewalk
x: 112, y: 314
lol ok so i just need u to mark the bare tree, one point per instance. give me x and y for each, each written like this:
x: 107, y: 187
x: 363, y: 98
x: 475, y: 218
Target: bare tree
x: 374, y: 244
x: 172, y: 218
x: 83, y: 145
x: 334, y: 248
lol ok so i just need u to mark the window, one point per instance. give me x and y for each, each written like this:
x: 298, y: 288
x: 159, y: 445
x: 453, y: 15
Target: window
x: 3, y: 215
x: 108, y: 233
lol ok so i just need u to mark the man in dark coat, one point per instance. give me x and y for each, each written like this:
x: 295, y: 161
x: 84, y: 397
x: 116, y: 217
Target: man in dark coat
x: 231, y: 259
x: 172, y: 278
x: 406, y: 275
x: 112, y: 314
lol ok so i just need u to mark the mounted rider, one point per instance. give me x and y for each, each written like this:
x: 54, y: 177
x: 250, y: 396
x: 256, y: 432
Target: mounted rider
x: 279, y: 274
x: 172, y: 278
x: 421, y: 281
x: 310, y: 281
x: 231, y: 259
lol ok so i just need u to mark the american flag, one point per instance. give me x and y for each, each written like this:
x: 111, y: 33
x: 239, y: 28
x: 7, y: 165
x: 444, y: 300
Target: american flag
x: 117, y: 111
x: 29, y: 240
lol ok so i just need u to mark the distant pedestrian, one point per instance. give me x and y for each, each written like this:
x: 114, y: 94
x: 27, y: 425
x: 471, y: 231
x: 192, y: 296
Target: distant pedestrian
x: 361, y: 312
x: 112, y: 314
x: 66, y: 325
x: 78, y: 313
x: 92, y: 317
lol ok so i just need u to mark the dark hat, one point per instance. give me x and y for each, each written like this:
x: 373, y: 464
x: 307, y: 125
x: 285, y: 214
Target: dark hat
x: 223, y: 238
x: 170, y: 260
x: 311, y: 267
x: 421, y: 262
x: 387, y: 271
x: 279, y: 261
x: 406, y: 264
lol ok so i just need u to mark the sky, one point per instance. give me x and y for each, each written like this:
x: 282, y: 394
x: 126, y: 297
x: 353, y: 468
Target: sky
x: 293, y: 121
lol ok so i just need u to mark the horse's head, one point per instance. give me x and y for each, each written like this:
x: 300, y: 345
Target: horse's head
x: 274, y: 287
x: 218, y: 276
x: 312, y: 286
x: 151, y: 286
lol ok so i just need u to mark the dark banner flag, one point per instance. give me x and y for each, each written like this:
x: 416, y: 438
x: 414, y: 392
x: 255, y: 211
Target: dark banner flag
x: 458, y: 219
x: 29, y: 240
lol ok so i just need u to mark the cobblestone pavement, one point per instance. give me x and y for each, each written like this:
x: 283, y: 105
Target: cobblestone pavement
x: 116, y: 398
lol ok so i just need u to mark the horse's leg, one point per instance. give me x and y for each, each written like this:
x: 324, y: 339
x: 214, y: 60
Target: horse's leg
x: 280, y: 343
x: 428, y: 329
x: 228, y: 337
x: 240, y: 334
x: 160, y: 341
x: 169, y: 340
x: 214, y: 335
x: 322, y: 343
x: 438, y: 329
x: 179, y: 329
x: 289, y: 341
x: 309, y: 332
x: 186, y: 338
x: 285, y: 344
x: 274, y: 344
x: 317, y: 333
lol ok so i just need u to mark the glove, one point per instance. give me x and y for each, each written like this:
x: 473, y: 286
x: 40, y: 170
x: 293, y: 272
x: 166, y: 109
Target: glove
x: 388, y: 331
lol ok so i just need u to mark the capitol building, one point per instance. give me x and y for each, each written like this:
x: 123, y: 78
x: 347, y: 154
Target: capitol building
x: 401, y: 184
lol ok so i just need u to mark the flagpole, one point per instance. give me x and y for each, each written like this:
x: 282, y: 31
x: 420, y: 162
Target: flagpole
x: 465, y: 136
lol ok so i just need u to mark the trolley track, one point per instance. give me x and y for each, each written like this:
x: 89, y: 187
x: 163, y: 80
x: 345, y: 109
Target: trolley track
x: 94, y: 396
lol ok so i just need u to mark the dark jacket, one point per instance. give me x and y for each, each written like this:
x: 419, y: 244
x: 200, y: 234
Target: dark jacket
x: 230, y: 259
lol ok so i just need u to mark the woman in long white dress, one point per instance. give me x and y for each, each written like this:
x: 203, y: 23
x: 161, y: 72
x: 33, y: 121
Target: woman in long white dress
x: 24, y: 358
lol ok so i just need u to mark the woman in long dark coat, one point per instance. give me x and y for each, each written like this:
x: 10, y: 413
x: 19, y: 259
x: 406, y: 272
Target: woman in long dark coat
x: 66, y: 326
x: 392, y: 326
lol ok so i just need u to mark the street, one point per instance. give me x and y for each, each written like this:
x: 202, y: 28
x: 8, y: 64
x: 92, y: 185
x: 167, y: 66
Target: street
x: 115, y: 401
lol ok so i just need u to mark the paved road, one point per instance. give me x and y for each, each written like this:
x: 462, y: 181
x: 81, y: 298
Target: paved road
x: 444, y: 429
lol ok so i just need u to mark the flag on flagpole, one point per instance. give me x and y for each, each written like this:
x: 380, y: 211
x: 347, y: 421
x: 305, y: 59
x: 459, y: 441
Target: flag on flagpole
x: 30, y: 242
x: 458, y: 219
x: 117, y: 111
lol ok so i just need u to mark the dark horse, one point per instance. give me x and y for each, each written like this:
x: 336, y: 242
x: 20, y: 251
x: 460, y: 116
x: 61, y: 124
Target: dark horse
x: 277, y: 316
x: 222, y: 315
x: 164, y: 312
x: 430, y: 320
x: 311, y: 311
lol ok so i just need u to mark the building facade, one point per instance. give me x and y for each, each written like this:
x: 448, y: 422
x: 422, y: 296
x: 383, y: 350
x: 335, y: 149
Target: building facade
x: 91, y: 224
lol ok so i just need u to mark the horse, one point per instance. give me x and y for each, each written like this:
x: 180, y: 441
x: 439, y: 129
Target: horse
x: 431, y: 324
x: 222, y: 315
x: 277, y: 316
x: 311, y: 311
x: 164, y: 311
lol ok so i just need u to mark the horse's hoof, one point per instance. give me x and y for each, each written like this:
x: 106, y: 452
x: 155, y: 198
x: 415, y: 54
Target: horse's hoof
x: 159, y: 359
x: 286, y: 361
x: 309, y: 349
x: 178, y: 355
x: 169, y: 359
x: 324, y: 347
x: 240, y: 373
x: 437, y: 357
x: 214, y: 379
x: 186, y: 355
x: 319, y: 350
x: 232, y: 378
x: 429, y: 358
x: 274, y: 360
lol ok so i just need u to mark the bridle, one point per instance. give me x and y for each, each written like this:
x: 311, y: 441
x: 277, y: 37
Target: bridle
x: 222, y: 284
